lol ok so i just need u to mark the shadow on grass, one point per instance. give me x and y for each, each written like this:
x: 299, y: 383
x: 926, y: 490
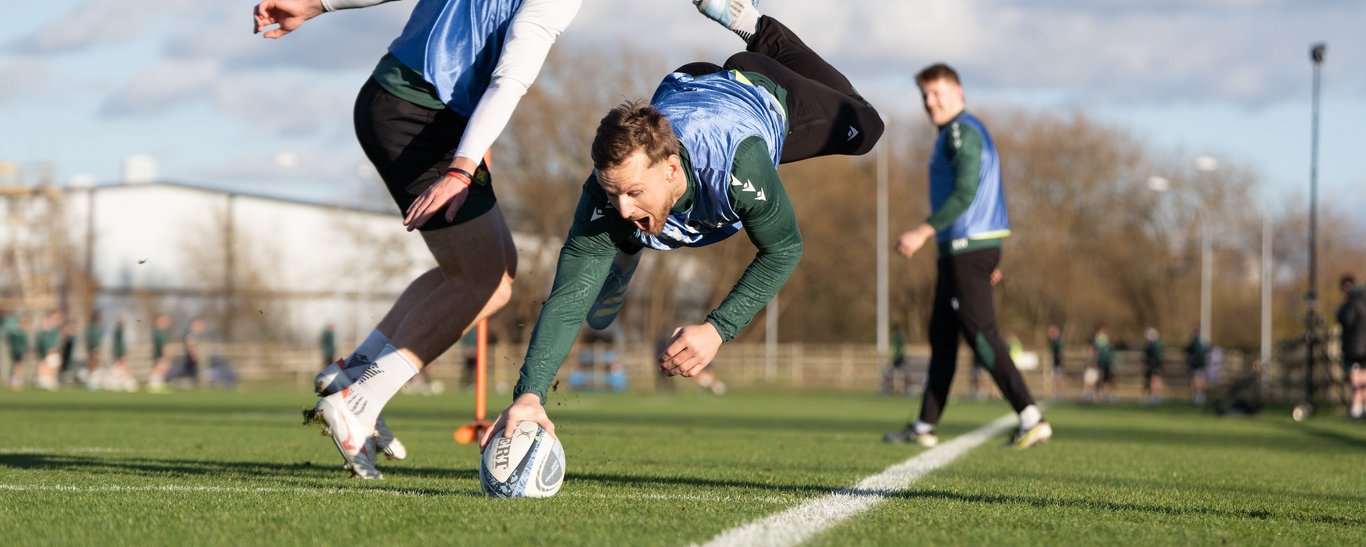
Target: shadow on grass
x: 1120, y: 433
x: 1093, y: 504
x: 1342, y: 439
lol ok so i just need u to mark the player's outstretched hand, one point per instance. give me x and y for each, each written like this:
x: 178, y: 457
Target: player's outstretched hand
x: 527, y: 407
x: 450, y: 193
x: 690, y: 350
x: 913, y: 240
x: 289, y: 14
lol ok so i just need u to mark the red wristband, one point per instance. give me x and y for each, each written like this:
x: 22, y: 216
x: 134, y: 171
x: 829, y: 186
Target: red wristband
x: 456, y: 172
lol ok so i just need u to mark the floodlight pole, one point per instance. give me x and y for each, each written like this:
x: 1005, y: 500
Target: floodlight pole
x: 1207, y: 165
x: 1316, y: 53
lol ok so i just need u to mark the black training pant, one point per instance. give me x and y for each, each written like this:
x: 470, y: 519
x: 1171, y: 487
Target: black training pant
x: 963, y: 306
x: 826, y: 115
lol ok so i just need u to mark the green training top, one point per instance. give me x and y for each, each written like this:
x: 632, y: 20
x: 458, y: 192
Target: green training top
x: 771, y: 224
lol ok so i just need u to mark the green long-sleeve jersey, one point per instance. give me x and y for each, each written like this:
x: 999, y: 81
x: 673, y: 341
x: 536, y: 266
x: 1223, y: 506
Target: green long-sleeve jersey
x: 768, y: 218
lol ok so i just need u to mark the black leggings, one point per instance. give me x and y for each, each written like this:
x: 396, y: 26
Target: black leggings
x: 963, y: 306
x: 826, y: 115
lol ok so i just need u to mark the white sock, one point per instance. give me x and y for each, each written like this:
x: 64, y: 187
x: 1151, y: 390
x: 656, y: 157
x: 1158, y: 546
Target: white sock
x: 366, y: 353
x: 745, y: 23
x: 921, y: 428
x: 744, y: 17
x: 1030, y: 417
x: 381, y: 381
x: 1357, y: 409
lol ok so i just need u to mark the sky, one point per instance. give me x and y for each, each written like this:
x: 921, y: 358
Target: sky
x: 86, y: 83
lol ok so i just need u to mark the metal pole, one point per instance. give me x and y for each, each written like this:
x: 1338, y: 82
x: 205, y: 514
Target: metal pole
x: 1316, y: 53
x: 1206, y: 275
x: 883, y: 244
x: 1207, y: 165
x: 1266, y: 291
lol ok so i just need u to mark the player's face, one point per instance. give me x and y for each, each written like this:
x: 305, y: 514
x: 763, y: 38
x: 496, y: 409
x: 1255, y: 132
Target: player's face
x: 643, y: 193
x: 943, y: 100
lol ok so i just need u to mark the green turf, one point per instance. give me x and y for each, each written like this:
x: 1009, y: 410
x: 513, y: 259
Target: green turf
x: 237, y: 468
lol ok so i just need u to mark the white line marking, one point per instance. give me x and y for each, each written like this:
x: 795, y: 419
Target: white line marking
x: 804, y: 521
x: 305, y: 491
x: 76, y: 450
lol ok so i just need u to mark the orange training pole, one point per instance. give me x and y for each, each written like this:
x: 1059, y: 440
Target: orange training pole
x: 470, y: 432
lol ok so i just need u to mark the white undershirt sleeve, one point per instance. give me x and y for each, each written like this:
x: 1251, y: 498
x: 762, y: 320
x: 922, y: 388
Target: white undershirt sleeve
x: 334, y: 5
x: 532, y: 31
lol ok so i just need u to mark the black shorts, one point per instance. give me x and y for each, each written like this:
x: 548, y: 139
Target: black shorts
x: 1107, y: 373
x: 1349, y: 364
x: 411, y: 147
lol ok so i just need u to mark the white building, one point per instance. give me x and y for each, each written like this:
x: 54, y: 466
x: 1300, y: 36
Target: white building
x: 168, y: 248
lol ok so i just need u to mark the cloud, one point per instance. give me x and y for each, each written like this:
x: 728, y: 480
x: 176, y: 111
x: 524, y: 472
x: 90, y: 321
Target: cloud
x: 23, y: 78
x: 93, y: 23
x: 163, y: 86
x: 1246, y: 52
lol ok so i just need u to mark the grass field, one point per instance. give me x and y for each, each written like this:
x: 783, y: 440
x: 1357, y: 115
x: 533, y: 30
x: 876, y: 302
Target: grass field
x: 238, y: 468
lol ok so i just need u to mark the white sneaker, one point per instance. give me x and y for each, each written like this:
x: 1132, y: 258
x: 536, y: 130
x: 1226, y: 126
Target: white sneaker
x: 387, y: 443
x: 334, y: 378
x: 331, y: 379
x: 908, y: 434
x: 1025, y: 438
x: 353, y: 438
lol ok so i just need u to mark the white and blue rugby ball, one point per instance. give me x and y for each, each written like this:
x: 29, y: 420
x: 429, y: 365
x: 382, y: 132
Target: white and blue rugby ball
x: 529, y: 464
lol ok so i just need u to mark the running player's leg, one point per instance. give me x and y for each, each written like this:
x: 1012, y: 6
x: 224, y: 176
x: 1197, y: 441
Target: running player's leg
x: 826, y: 115
x: 410, y: 147
x: 944, y: 332
x: 977, y: 314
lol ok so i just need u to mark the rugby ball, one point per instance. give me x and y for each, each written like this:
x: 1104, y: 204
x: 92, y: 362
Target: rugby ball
x: 529, y: 464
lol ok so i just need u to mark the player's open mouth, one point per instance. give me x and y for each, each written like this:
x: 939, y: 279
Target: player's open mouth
x: 642, y: 224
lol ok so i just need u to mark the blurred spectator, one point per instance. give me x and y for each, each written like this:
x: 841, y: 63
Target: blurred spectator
x: 975, y: 378
x: 71, y: 371
x: 193, y: 346
x: 49, y: 351
x: 118, y: 376
x: 1352, y: 317
x: 1152, y: 367
x: 1054, y: 334
x: 469, y: 348
x: 897, y: 370
x: 616, y: 372
x: 1196, y: 359
x: 18, y: 338
x: 582, y: 377
x: 328, y: 343
x: 1103, y: 359
x: 1214, y: 369
x: 161, y: 359
x: 94, y: 344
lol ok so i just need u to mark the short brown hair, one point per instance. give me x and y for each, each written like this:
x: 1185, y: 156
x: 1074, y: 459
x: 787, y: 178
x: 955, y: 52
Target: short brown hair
x: 633, y: 126
x: 937, y: 71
